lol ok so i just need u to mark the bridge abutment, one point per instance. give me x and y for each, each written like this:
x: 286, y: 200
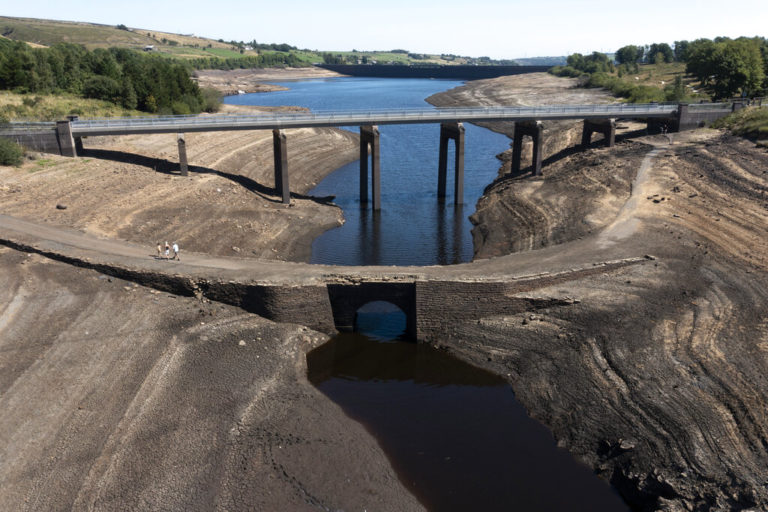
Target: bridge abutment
x: 369, y: 139
x: 67, y: 145
x: 280, y: 146
x: 535, y: 130
x: 454, y: 131
x: 605, y: 126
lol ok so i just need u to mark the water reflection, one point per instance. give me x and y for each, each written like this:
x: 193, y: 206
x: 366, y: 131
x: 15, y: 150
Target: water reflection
x: 407, y: 231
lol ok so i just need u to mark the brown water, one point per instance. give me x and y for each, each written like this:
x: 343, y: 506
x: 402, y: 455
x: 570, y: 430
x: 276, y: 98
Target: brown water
x: 455, y: 434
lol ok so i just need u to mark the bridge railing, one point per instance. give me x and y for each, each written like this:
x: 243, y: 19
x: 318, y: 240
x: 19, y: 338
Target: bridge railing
x: 357, y: 117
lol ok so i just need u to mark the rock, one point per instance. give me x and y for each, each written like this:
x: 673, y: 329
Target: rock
x: 241, y: 343
x: 61, y: 206
x: 626, y: 445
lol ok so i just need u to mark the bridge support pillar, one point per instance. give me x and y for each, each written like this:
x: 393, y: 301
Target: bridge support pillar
x: 183, y: 167
x: 605, y: 126
x: 64, y: 137
x: 369, y: 138
x: 453, y: 131
x: 535, y: 130
x: 78, y: 140
x: 280, y: 147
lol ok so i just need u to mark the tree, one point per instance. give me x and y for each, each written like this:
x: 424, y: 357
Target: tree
x: 700, y: 59
x: 659, y: 53
x: 627, y: 54
x: 738, y: 68
x: 676, y: 90
x: 681, y: 51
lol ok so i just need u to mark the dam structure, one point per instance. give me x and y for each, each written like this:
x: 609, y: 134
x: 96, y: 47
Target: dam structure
x: 66, y: 137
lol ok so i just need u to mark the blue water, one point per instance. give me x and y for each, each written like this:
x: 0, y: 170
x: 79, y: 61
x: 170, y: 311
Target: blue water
x: 413, y: 227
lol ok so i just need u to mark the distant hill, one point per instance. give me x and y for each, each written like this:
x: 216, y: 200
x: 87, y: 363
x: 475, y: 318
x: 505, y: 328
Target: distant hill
x: 542, y: 61
x: 93, y: 35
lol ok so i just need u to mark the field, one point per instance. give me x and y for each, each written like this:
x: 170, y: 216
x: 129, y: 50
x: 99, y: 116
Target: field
x: 38, y: 32
x: 49, y: 107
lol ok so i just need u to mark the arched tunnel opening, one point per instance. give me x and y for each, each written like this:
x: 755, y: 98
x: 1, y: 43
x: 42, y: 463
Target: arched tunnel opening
x: 381, y: 320
x: 382, y: 310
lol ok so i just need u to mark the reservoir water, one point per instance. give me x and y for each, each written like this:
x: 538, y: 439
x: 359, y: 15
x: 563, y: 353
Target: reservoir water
x: 455, y: 434
x: 412, y: 228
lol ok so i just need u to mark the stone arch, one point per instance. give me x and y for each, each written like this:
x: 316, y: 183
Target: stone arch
x: 347, y: 298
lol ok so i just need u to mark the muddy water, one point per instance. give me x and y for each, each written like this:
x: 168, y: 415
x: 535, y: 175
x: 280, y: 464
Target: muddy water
x: 454, y: 433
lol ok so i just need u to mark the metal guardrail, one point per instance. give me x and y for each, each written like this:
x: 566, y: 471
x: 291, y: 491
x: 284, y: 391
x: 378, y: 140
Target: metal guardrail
x: 16, y: 127
x: 710, y: 107
x: 270, y: 120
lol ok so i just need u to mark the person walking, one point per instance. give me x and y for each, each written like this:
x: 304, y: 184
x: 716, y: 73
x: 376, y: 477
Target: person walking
x: 159, y: 250
x: 176, y: 251
x: 167, y: 250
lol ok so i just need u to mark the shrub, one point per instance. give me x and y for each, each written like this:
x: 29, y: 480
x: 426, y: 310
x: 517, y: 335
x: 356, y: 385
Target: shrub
x: 211, y: 100
x: 748, y: 122
x: 101, y: 88
x: 180, y: 108
x: 10, y: 152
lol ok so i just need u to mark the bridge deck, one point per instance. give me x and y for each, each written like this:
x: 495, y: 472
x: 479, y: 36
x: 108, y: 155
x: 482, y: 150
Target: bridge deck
x: 268, y: 121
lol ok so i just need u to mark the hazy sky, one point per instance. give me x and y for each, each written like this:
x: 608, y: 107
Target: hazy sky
x: 496, y: 28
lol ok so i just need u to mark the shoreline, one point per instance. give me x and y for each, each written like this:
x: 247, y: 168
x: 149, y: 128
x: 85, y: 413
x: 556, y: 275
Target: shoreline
x: 231, y: 82
x: 645, y: 378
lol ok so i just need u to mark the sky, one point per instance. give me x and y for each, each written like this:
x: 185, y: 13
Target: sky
x: 500, y: 29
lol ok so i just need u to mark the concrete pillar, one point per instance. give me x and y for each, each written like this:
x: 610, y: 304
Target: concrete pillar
x: 538, y: 148
x: 78, y: 140
x: 682, y: 119
x: 605, y: 126
x: 535, y: 130
x: 453, y: 131
x: 65, y: 139
x: 280, y: 147
x: 182, y: 154
x: 369, y: 139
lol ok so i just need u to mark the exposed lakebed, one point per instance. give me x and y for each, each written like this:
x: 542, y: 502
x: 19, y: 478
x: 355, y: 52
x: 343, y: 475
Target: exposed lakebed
x: 454, y: 433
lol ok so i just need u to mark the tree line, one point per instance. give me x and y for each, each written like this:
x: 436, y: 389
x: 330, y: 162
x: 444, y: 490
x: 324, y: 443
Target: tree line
x: 126, y: 77
x: 264, y: 60
x: 725, y: 67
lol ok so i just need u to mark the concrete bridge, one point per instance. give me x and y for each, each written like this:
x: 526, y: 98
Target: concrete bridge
x: 65, y: 137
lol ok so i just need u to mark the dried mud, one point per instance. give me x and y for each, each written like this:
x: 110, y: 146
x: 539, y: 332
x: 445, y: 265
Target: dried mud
x: 130, y: 188
x: 656, y: 376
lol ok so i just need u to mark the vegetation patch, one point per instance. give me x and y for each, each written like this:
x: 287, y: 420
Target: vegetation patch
x: 750, y: 122
x: 15, y: 106
x: 10, y: 153
x: 131, y: 79
x: 692, y: 70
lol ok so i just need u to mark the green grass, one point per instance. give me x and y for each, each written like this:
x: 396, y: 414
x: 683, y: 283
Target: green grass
x: 751, y: 122
x: 224, y: 53
x: 51, y: 107
x: 48, y: 32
